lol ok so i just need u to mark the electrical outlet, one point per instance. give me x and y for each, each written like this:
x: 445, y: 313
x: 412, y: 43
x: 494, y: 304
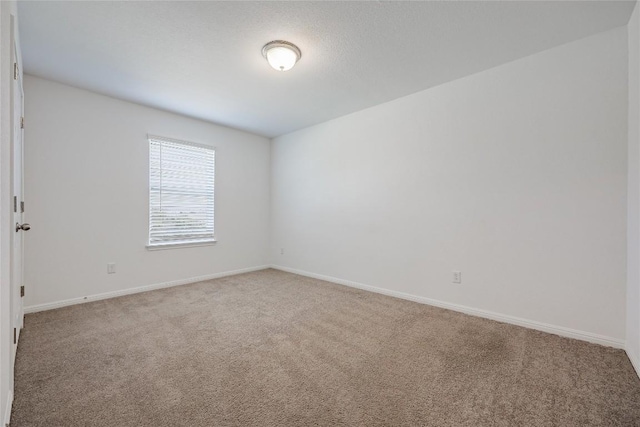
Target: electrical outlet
x: 281, y: 251
x: 457, y: 277
x: 111, y: 268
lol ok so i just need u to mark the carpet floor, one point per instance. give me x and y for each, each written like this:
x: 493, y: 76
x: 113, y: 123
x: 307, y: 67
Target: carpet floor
x: 275, y: 349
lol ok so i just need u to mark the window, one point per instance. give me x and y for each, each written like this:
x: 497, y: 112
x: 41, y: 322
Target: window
x: 181, y: 193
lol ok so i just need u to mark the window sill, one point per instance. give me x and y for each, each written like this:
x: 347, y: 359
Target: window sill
x: 180, y: 245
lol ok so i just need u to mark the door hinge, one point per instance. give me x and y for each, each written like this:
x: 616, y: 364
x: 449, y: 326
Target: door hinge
x: 22, y: 207
x: 21, y: 122
x: 15, y: 338
x: 22, y: 291
x: 15, y: 203
x: 15, y: 71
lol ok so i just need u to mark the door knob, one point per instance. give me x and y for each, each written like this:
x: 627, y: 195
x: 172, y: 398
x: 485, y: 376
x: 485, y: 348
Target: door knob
x: 24, y: 227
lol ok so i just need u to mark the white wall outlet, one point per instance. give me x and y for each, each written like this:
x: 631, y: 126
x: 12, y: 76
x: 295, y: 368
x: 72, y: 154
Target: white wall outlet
x: 457, y: 277
x: 111, y: 268
x: 281, y: 251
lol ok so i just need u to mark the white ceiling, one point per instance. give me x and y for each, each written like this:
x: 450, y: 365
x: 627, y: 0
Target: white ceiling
x: 203, y: 59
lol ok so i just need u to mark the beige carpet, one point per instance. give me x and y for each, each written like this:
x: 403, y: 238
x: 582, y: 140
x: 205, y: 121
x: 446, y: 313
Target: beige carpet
x: 275, y: 349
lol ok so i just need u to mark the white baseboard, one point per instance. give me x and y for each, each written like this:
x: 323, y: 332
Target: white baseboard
x: 635, y: 361
x: 7, y: 413
x: 531, y: 324
x: 113, y: 294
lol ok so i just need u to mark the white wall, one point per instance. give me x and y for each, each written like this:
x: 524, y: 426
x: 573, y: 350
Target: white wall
x: 516, y: 176
x: 86, y: 193
x: 633, y: 209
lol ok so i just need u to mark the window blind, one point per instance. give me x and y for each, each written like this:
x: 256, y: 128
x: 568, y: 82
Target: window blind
x: 181, y: 192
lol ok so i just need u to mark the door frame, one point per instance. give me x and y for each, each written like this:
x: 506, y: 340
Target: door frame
x: 17, y: 141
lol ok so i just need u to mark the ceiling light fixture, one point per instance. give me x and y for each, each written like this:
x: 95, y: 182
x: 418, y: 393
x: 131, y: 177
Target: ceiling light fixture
x: 281, y: 55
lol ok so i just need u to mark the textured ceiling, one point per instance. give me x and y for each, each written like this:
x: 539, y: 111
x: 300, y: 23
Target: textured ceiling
x: 203, y: 59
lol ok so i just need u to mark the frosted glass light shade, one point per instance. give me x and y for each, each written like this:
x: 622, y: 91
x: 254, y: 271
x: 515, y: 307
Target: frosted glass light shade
x: 281, y: 55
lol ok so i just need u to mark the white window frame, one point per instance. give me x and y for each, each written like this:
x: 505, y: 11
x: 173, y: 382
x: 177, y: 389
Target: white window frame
x: 182, y: 244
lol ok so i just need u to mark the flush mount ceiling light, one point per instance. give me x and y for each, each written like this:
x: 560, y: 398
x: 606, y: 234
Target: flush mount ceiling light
x: 281, y: 55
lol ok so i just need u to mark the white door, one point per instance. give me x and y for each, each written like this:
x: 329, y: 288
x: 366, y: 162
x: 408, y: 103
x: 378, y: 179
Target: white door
x: 19, y: 227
